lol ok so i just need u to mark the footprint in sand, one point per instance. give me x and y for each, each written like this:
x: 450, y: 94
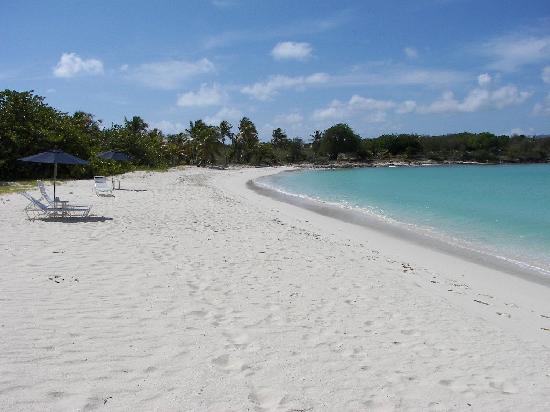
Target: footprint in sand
x: 229, y: 363
x: 239, y: 339
x: 504, y: 386
x: 267, y: 398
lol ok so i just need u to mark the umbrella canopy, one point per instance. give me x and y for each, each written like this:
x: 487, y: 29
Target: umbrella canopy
x: 55, y: 157
x: 115, y: 155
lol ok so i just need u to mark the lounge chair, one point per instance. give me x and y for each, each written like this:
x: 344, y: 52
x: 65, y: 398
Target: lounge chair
x: 38, y: 210
x: 46, y: 196
x: 102, y: 186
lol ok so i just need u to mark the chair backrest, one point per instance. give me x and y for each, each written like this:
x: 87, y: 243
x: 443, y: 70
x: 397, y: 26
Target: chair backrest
x: 43, y: 191
x: 35, y: 202
x: 101, y: 184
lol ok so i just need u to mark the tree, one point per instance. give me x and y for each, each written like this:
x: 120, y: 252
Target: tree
x: 137, y: 125
x: 225, y: 131
x: 295, y: 150
x: 339, y: 138
x: 246, y: 141
x: 28, y: 126
x: 279, y: 138
x: 316, y: 138
x: 206, y: 142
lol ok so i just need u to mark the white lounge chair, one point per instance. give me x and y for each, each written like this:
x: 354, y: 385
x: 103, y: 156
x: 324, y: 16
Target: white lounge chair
x: 36, y: 209
x: 46, y: 196
x: 102, y: 186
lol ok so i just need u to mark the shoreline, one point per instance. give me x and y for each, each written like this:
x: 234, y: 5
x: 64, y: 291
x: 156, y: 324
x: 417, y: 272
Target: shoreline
x: 197, y: 292
x: 444, y: 272
x: 399, y: 231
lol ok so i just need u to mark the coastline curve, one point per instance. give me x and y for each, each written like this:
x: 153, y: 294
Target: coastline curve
x: 401, y: 232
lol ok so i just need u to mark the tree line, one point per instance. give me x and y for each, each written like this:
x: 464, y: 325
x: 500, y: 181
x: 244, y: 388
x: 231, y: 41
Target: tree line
x: 28, y: 125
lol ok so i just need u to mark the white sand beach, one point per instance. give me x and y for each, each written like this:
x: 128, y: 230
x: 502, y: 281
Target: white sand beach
x: 200, y: 294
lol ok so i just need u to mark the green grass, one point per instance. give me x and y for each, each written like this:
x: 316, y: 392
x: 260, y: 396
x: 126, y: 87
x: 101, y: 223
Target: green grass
x: 14, y: 187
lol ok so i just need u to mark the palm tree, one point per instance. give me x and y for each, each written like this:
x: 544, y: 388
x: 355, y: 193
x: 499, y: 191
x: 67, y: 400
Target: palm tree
x: 206, y: 142
x: 246, y: 140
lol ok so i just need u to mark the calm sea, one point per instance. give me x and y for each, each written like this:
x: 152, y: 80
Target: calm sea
x: 499, y: 210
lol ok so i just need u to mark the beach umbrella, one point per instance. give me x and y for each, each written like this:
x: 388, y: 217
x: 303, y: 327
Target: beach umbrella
x: 116, y: 156
x: 56, y: 157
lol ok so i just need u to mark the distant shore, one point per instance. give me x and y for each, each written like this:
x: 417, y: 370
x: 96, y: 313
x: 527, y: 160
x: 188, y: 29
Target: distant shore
x: 399, y: 163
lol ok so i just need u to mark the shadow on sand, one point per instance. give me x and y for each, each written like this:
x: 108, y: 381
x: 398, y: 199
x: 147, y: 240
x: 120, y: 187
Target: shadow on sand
x: 88, y: 219
x: 132, y: 190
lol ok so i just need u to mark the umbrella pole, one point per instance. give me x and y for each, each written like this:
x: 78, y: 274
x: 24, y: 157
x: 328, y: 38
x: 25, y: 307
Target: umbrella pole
x: 54, y: 177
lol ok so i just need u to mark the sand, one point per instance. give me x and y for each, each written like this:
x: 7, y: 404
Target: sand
x: 199, y: 294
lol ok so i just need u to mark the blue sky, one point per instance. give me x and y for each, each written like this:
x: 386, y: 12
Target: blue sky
x: 424, y: 66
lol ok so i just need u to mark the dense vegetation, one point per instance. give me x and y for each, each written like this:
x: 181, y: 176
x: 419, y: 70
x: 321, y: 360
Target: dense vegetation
x: 28, y: 125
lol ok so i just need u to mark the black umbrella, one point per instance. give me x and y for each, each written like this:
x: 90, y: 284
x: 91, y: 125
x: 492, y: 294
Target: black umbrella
x: 55, y: 157
x: 115, y: 155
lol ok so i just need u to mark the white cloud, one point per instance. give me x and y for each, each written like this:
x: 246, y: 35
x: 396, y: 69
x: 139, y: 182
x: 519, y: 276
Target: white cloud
x: 542, y: 108
x: 168, y: 127
x: 411, y: 52
x: 225, y: 113
x: 374, y: 110
x: 477, y: 99
x: 266, y: 90
x: 171, y: 73
x: 71, y: 64
x: 392, y: 75
x: 289, y: 119
x: 546, y: 74
x: 512, y: 51
x: 484, y: 79
x: 363, y: 103
x: 407, y: 106
x: 291, y: 50
x: 205, y: 96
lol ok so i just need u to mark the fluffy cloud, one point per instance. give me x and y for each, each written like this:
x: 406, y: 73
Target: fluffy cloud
x: 484, y: 79
x: 477, y: 99
x: 411, y: 52
x: 266, y: 90
x: 542, y: 108
x: 71, y: 64
x: 510, y: 52
x: 169, y: 74
x: 374, y: 110
x: 291, y: 50
x: 289, y: 119
x: 168, y: 127
x: 392, y: 75
x: 205, y: 96
x: 225, y: 113
x: 407, y: 106
x: 546, y: 74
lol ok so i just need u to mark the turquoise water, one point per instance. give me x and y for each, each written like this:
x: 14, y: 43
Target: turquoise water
x: 503, y: 210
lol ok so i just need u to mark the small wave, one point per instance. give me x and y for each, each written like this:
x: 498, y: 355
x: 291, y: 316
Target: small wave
x: 435, y: 237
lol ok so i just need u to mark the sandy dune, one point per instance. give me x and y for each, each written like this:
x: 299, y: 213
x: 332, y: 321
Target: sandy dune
x: 199, y: 294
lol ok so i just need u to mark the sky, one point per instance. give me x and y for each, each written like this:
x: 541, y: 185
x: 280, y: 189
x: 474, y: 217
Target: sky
x: 422, y: 66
